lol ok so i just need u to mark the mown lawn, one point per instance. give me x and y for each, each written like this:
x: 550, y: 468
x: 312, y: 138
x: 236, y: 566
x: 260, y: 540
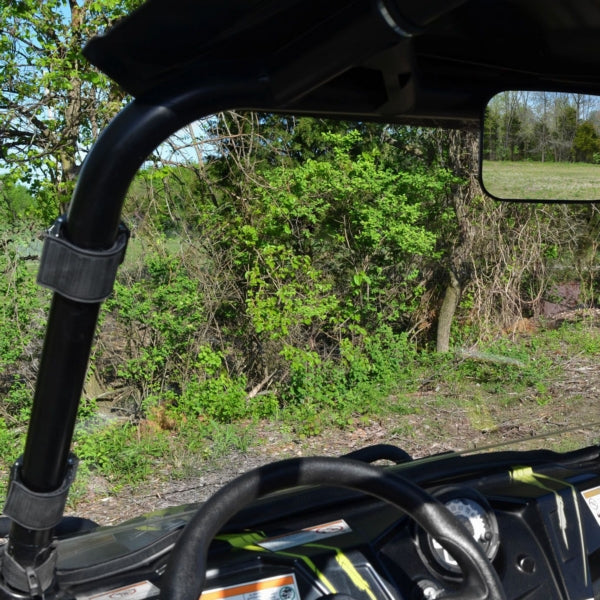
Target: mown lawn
x: 542, y: 181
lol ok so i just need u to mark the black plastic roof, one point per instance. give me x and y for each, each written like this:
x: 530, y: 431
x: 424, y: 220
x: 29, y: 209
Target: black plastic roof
x: 425, y: 61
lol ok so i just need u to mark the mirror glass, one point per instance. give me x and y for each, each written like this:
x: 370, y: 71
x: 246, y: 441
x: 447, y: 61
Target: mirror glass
x: 542, y: 146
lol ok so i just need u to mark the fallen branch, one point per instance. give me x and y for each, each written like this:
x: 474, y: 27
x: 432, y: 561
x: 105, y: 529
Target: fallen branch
x: 489, y: 357
x: 257, y: 388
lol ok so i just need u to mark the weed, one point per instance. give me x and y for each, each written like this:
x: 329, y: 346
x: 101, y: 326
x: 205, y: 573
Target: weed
x: 543, y: 395
x: 223, y: 439
x: 120, y: 451
x: 479, y: 416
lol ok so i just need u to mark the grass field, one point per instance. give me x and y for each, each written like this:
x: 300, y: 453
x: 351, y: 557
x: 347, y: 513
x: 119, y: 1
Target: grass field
x: 542, y: 181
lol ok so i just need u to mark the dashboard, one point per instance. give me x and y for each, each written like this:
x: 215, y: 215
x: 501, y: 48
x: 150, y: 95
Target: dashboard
x: 536, y: 516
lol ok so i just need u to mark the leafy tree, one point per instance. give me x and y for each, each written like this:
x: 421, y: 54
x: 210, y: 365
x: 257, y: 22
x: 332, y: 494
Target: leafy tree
x: 491, y: 141
x: 455, y: 224
x: 564, y: 129
x: 509, y: 104
x: 52, y: 102
x: 335, y: 245
x: 15, y: 201
x: 541, y: 129
x: 541, y: 136
x: 586, y: 142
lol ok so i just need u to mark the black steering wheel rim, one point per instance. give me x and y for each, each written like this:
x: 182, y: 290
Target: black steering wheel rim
x: 186, y: 570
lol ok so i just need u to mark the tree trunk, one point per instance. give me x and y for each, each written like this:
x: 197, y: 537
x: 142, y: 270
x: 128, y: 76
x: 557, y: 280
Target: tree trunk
x: 447, y: 310
x: 462, y: 159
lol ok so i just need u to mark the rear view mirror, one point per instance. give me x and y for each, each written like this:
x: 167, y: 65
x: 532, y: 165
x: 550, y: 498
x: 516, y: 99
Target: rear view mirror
x: 542, y: 146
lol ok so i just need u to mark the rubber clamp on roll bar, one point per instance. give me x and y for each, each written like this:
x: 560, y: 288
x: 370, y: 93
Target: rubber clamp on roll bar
x: 78, y: 273
x: 36, y: 511
x: 35, y: 580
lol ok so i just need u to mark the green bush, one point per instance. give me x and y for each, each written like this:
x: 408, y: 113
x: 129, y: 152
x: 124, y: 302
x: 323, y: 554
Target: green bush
x: 22, y: 318
x: 120, y: 451
x: 159, y: 316
x: 334, y: 391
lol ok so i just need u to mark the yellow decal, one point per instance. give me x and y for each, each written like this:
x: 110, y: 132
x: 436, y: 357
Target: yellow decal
x: 346, y: 564
x: 245, y: 541
x: 248, y: 541
x: 527, y: 476
x: 357, y: 579
x: 311, y: 565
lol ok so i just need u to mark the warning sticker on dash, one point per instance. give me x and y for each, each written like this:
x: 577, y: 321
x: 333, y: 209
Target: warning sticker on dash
x: 305, y: 536
x: 135, y: 591
x: 592, y: 499
x: 282, y: 587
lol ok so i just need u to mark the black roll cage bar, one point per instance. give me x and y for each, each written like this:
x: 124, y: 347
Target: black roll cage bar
x: 92, y: 223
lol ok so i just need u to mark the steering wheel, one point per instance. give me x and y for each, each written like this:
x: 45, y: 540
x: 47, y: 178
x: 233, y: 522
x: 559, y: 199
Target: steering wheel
x: 186, y: 570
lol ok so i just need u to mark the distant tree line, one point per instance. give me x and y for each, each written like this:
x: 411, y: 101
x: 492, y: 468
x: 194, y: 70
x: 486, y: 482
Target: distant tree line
x: 542, y: 126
